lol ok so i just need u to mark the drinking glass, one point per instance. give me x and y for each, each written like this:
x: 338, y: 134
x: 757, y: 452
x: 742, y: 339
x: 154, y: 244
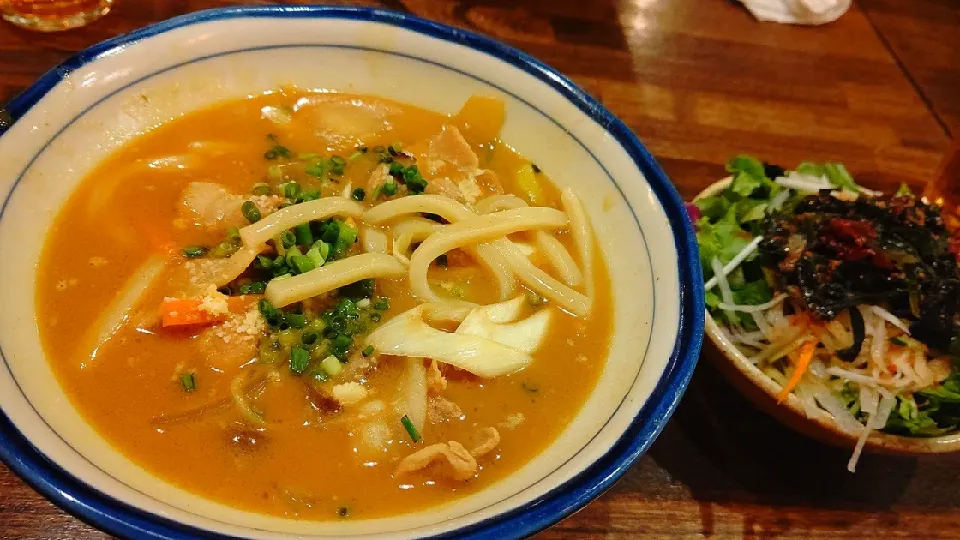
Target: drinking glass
x: 53, y: 15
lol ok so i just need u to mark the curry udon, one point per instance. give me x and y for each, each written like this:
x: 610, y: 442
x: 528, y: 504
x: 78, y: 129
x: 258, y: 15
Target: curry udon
x: 324, y: 305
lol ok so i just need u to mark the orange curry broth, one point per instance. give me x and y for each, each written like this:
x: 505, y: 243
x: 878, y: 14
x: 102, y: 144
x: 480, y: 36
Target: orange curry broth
x: 298, y: 466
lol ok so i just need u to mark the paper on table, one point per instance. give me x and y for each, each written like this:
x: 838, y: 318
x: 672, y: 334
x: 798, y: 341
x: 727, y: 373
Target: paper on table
x: 797, y: 11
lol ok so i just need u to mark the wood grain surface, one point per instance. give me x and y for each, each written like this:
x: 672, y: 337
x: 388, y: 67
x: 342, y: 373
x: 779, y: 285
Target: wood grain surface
x: 697, y: 80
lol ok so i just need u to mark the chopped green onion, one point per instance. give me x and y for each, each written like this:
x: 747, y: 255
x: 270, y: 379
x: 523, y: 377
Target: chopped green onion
x: 375, y: 317
x: 291, y: 253
x: 288, y: 239
x: 414, y: 180
x: 346, y: 308
x: 324, y: 249
x: 365, y: 288
x: 307, y: 196
x: 330, y: 231
x: 395, y: 149
x: 314, y: 255
x: 278, y: 151
x: 270, y: 314
x: 263, y: 262
x: 303, y: 234
x: 331, y: 366
x: 316, y: 169
x: 299, y: 360
x: 250, y: 211
x: 337, y: 164
x: 296, y: 320
x: 346, y: 236
x: 303, y: 264
x: 367, y: 351
x: 358, y: 194
x: 189, y: 382
x: 396, y: 169
x: 256, y: 287
x: 308, y: 155
x: 263, y: 189
x: 389, y: 189
x: 291, y: 190
x: 233, y: 236
x: 192, y: 252
x: 223, y: 250
x: 898, y: 341
x: 382, y: 304
x: 340, y: 346
x: 411, y: 430
x: 309, y: 337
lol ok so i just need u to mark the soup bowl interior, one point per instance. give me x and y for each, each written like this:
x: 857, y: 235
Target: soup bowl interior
x: 818, y: 424
x: 102, y: 99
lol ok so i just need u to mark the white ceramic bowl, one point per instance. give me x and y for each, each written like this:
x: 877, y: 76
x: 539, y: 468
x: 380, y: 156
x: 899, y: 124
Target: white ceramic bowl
x: 100, y: 99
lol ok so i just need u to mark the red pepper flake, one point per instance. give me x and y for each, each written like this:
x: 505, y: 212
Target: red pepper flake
x: 851, y: 240
x: 860, y: 232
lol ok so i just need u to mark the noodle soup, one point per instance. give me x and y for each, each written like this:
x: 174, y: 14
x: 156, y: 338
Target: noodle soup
x: 325, y: 306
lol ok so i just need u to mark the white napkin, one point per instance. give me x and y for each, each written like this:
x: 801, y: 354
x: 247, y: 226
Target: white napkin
x: 797, y: 11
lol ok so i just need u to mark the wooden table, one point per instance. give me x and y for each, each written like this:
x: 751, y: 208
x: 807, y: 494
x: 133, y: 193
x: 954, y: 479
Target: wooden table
x: 698, y: 80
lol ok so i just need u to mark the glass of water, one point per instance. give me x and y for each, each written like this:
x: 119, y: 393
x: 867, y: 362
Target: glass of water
x: 53, y: 15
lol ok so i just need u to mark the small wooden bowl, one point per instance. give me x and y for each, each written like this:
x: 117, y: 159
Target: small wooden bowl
x: 820, y: 425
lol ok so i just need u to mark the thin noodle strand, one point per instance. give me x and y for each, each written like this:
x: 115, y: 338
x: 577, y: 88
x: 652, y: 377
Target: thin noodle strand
x: 291, y: 216
x: 475, y: 230
x: 283, y: 292
x: 582, y: 238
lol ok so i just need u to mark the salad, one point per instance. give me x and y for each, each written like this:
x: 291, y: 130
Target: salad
x: 848, y: 298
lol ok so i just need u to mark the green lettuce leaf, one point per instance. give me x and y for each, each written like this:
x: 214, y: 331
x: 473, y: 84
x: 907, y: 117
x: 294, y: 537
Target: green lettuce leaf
x: 746, y: 164
x: 909, y: 419
x: 840, y: 177
x: 713, y: 207
x: 722, y: 239
x: 745, y: 292
x: 812, y: 169
x: 948, y: 391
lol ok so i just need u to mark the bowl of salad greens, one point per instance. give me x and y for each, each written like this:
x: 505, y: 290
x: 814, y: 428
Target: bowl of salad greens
x: 836, y: 307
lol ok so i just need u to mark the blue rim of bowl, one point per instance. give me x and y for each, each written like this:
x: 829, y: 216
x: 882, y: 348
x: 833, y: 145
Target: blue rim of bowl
x: 125, y: 520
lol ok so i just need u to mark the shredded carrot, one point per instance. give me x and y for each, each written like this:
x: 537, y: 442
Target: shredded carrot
x: 186, y: 311
x: 803, y: 362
